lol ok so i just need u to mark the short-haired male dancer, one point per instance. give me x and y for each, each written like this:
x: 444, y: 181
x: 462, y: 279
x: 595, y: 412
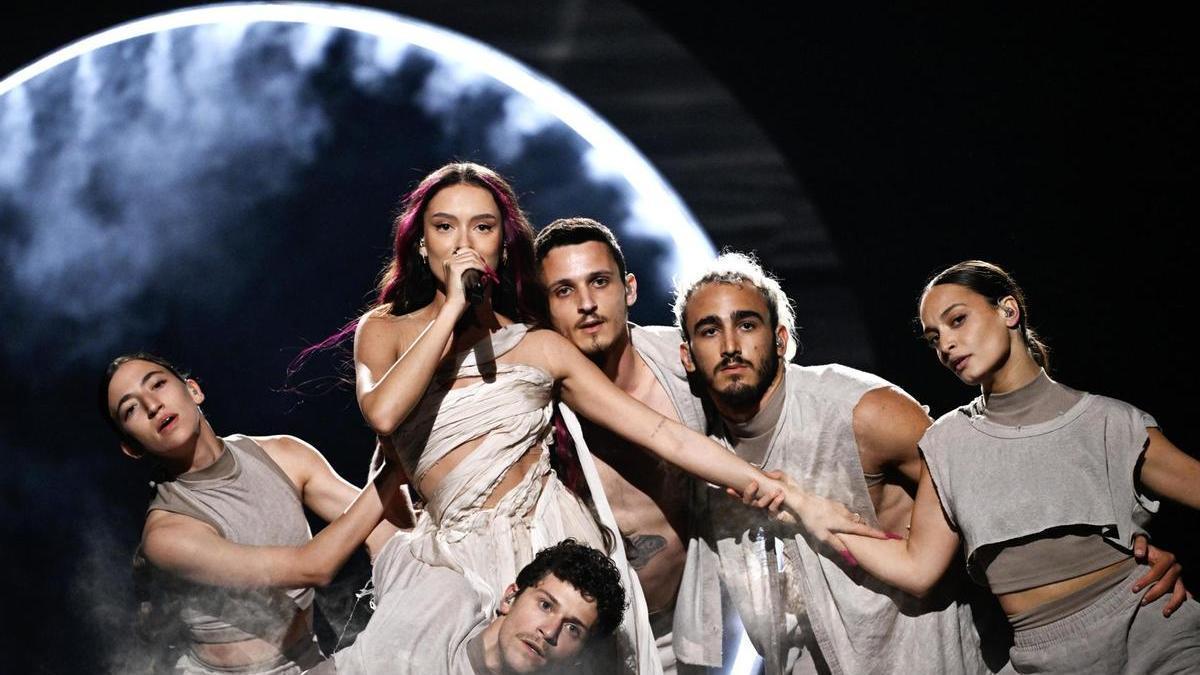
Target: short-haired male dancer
x: 432, y: 620
x: 840, y: 433
x: 589, y: 292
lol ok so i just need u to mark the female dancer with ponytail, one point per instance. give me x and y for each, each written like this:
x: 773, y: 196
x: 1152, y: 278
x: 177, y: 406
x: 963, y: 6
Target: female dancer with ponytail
x: 462, y: 391
x: 1044, y: 487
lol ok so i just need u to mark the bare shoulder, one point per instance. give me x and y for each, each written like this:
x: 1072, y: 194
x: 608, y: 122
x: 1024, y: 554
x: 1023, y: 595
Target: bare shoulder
x: 549, y: 343
x: 545, y: 349
x: 546, y: 341
x: 284, y: 446
x: 379, y: 328
x: 544, y: 338
x: 888, y: 423
x: 295, y: 456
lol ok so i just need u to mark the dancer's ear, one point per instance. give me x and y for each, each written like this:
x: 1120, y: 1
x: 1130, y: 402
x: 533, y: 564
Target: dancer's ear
x: 630, y: 289
x: 685, y: 357
x: 131, y: 450
x: 195, y: 391
x: 510, y: 596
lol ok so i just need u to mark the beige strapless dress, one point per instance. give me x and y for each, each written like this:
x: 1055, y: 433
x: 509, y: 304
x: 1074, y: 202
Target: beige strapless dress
x: 510, y: 406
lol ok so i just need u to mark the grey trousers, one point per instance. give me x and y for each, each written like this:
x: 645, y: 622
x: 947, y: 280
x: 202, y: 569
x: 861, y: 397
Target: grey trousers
x: 1115, y: 634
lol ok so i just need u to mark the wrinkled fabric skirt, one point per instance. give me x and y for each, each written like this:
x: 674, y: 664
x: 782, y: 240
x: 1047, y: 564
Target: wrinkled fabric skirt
x: 492, y: 545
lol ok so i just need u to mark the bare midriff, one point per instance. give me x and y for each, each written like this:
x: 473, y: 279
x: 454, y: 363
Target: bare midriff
x: 1020, y: 602
x: 257, y: 650
x: 432, y: 479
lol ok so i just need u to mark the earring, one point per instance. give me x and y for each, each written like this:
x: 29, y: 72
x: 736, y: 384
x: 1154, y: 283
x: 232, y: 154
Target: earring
x: 1008, y: 312
x: 503, y: 255
x: 421, y: 250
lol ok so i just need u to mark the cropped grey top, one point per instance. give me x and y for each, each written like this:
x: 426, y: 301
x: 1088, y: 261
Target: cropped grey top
x: 248, y: 499
x: 1001, y: 484
x: 1049, y: 556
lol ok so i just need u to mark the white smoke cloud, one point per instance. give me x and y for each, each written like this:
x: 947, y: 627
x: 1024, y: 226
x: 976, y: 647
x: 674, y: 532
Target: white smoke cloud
x: 130, y: 187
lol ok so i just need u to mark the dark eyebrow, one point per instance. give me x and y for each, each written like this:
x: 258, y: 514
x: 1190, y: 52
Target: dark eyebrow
x: 947, y: 310
x: 747, y: 314
x: 451, y: 216
x: 709, y: 320
x: 145, y: 377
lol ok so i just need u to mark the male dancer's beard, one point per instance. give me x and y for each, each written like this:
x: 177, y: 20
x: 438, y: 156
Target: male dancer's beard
x: 740, y: 395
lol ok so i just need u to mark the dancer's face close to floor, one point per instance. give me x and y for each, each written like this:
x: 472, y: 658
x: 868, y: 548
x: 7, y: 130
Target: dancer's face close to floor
x: 462, y: 216
x: 588, y: 300
x: 970, y: 336
x: 546, y: 626
x: 158, y: 411
x: 733, y: 347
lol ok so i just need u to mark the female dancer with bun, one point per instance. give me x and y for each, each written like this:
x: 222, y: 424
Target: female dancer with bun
x: 1044, y: 487
x: 464, y: 391
x: 228, y: 525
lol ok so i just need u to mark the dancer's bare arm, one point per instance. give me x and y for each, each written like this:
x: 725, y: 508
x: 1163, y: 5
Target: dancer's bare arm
x: 390, y: 379
x: 327, y: 494
x: 195, y: 551
x: 888, y: 424
x: 1170, y: 472
x: 915, y: 564
x: 591, y: 394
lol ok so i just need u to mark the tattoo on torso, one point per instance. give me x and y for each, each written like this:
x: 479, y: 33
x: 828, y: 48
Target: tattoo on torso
x: 641, y: 548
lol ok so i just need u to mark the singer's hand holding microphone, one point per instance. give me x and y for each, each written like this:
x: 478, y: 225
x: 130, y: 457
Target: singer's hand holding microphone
x: 464, y: 273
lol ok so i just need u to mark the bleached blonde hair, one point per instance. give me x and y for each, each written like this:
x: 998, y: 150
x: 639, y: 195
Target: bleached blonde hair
x: 732, y: 267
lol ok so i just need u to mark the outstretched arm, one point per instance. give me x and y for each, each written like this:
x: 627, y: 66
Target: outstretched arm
x: 328, y: 495
x: 193, y: 550
x: 915, y: 564
x: 592, y: 395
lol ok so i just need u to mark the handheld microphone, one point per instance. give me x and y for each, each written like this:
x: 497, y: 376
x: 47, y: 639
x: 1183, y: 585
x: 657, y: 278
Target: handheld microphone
x: 472, y: 281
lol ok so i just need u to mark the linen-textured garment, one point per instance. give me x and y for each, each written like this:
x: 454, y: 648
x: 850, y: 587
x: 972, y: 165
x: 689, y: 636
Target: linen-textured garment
x: 510, y: 406
x: 249, y: 500
x: 783, y: 587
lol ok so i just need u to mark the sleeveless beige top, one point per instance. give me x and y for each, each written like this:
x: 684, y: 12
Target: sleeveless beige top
x: 248, y: 499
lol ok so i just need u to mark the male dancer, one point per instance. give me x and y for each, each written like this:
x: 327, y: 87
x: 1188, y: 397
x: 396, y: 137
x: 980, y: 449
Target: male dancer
x: 432, y: 620
x: 841, y: 433
x: 589, y: 292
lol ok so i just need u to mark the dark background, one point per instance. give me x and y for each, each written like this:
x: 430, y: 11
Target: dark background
x: 1058, y: 142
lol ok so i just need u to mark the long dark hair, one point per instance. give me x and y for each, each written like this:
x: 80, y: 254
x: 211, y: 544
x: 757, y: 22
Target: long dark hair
x: 406, y: 283
x: 995, y: 284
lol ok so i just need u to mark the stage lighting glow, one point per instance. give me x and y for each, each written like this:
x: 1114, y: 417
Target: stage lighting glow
x: 656, y: 207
